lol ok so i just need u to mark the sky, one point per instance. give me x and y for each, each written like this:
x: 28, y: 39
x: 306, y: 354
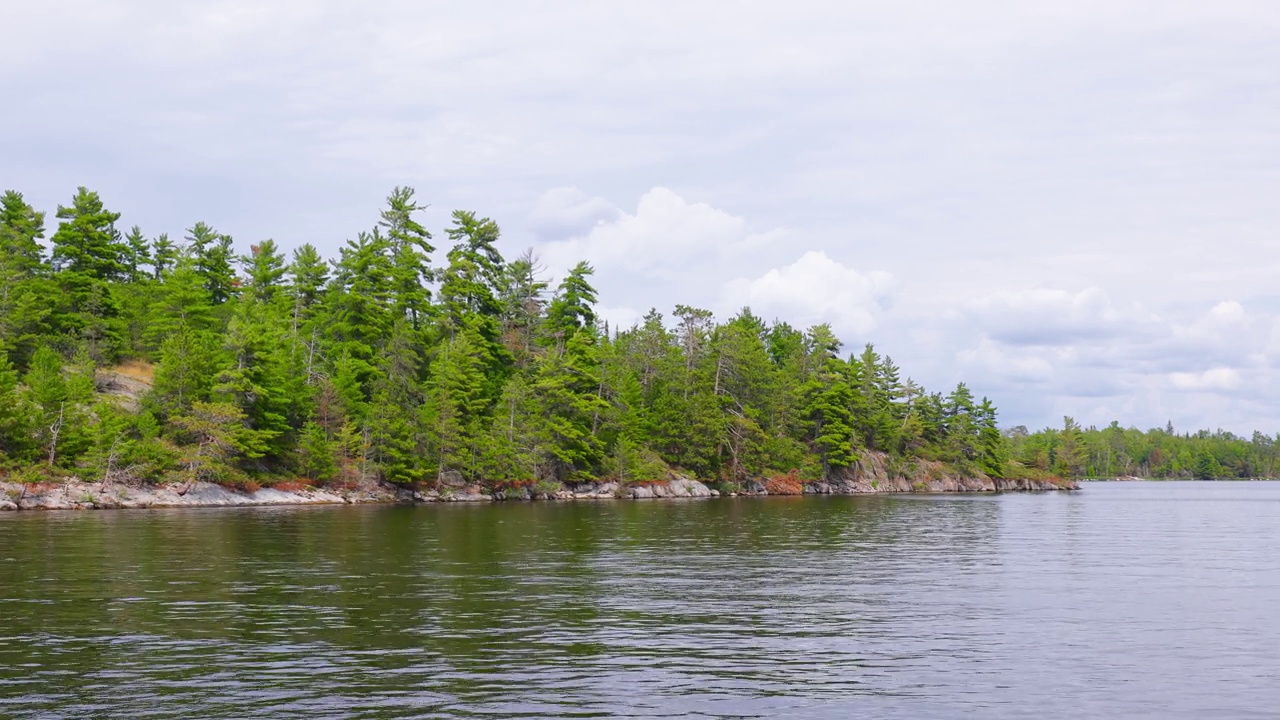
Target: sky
x: 1072, y: 207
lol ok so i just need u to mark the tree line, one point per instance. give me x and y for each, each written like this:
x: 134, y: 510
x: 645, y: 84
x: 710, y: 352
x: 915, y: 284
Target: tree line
x: 1115, y: 451
x: 392, y: 362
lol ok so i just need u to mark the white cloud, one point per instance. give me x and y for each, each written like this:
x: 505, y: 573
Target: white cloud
x: 1046, y: 316
x: 989, y: 358
x: 567, y: 212
x: 666, y: 238
x: 1213, y: 379
x: 815, y: 289
x: 1120, y: 156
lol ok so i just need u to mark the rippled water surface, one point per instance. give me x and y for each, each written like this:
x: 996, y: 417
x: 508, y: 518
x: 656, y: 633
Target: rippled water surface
x: 1157, y: 600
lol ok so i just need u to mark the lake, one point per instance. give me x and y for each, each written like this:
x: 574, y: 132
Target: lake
x: 1125, y: 600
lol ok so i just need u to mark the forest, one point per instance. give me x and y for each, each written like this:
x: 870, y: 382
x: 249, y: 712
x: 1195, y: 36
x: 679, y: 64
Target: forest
x: 1158, y: 453
x: 146, y: 358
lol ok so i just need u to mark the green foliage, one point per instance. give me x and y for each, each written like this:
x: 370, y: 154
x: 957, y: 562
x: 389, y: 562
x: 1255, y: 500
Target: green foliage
x: 1115, y: 451
x: 316, y: 453
x: 380, y: 365
x: 211, y: 436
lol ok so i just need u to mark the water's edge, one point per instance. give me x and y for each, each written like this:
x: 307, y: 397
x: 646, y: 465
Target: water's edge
x: 76, y: 495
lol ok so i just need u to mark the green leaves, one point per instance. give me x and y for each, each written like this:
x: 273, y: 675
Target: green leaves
x: 380, y: 365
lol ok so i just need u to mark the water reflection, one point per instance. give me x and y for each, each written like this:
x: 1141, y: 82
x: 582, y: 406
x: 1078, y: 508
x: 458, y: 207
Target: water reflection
x: 808, y: 607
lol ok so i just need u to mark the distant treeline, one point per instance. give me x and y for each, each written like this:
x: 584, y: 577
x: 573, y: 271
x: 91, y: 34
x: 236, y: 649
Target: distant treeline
x: 1115, y: 451
x: 135, y: 356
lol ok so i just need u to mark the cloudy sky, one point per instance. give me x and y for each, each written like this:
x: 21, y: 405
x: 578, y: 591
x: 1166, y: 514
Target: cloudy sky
x: 1072, y: 206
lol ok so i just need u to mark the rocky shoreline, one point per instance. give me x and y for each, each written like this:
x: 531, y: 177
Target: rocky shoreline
x: 76, y: 495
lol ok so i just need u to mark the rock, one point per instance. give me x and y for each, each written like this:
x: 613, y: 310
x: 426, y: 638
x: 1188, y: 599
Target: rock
x: 469, y: 497
x: 684, y: 487
x: 126, y: 385
x: 453, y: 479
x: 7, y: 505
x: 607, y: 490
x: 641, y: 492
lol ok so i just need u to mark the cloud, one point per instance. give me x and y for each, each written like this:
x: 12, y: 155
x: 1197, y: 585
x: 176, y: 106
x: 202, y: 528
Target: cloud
x: 990, y: 358
x: 815, y: 289
x: 1046, y: 316
x: 1099, y: 175
x: 1214, y: 379
x: 665, y: 238
x: 567, y: 212
x: 1148, y: 367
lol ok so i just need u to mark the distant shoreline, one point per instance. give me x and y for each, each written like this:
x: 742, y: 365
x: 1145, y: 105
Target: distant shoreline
x: 1142, y: 479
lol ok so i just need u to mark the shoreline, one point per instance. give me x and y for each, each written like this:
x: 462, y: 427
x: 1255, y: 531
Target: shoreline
x: 76, y: 495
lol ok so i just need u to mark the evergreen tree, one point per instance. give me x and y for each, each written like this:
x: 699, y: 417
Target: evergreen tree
x: 21, y: 229
x: 828, y: 401
x: 137, y: 254
x: 163, y: 255
x: 88, y: 255
x: 410, y: 249
x: 212, y: 255
x: 87, y: 245
x: 15, y: 417
x: 308, y: 274
x: 265, y: 267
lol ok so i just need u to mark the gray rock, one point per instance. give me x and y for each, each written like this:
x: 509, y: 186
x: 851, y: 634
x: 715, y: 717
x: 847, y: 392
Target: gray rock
x: 684, y: 487
x: 7, y: 505
x: 469, y: 497
x: 453, y: 479
x: 641, y: 492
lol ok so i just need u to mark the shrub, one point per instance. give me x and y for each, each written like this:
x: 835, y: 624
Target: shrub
x: 728, y: 486
x: 546, y: 487
x: 296, y: 485
x: 509, y: 485
x: 788, y: 484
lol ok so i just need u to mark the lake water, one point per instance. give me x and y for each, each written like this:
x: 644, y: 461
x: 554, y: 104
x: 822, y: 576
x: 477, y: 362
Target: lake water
x: 1142, y: 600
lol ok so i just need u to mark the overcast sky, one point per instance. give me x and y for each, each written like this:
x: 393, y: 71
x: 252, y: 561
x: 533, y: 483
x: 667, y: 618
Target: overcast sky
x: 1074, y: 207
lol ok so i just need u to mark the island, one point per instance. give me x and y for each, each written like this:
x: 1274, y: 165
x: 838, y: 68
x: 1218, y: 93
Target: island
x: 144, y: 371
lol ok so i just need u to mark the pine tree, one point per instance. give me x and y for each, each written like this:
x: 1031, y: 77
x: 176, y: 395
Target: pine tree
x: 163, y: 255
x: 137, y: 255
x: 992, y: 448
x: 212, y: 255
x: 87, y: 244
x: 308, y: 274
x: 521, y: 298
x: 410, y: 249
x: 21, y: 228
x: 573, y: 307
x: 828, y: 399
x: 15, y: 416
x: 316, y: 453
x: 88, y: 254
x: 265, y: 267
x: 360, y: 316
x: 565, y: 387
x: 458, y: 402
x: 27, y: 297
x: 185, y: 373
x: 57, y: 400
